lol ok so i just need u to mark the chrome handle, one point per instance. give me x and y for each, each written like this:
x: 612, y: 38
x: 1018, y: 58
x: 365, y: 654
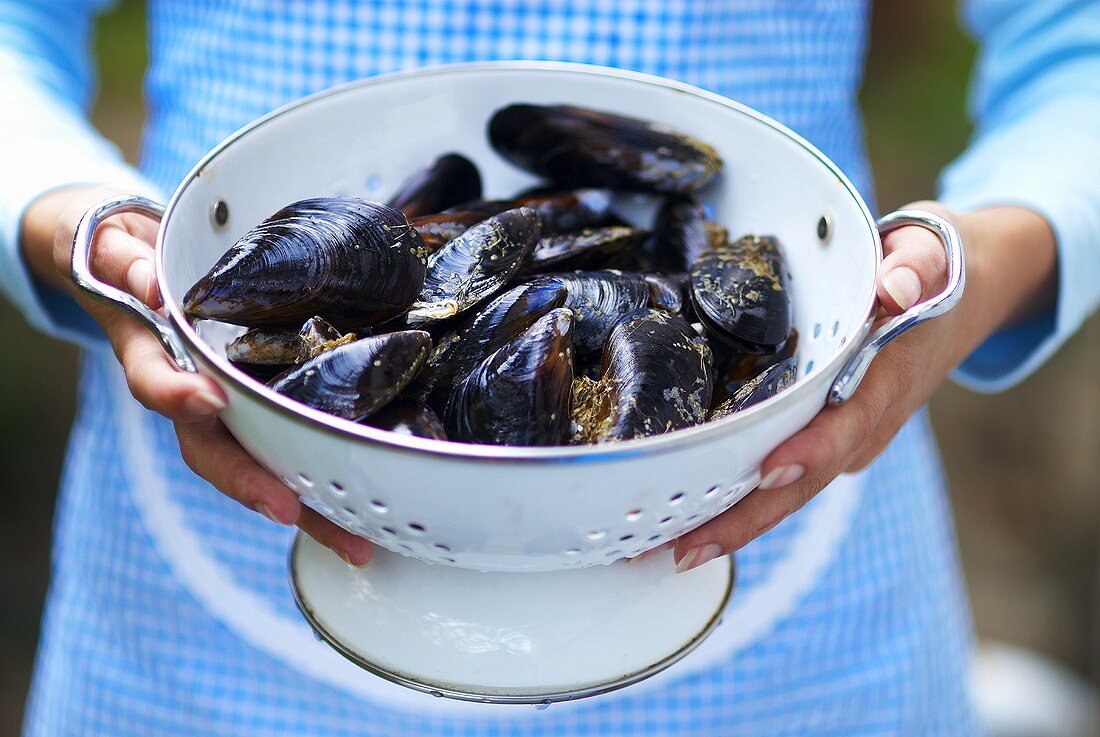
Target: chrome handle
x: 853, y: 371
x: 88, y: 283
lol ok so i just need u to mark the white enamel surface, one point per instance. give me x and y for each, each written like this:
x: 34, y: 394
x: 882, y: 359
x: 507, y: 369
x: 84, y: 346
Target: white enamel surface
x: 500, y: 512
x: 507, y: 634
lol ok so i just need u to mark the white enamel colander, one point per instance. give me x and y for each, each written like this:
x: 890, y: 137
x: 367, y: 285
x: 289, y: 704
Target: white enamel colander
x: 487, y: 514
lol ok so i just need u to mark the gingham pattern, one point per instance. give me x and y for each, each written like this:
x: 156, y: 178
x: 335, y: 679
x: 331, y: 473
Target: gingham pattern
x: 880, y: 644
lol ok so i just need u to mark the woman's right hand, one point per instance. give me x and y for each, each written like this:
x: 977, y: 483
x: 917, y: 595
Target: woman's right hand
x: 122, y: 255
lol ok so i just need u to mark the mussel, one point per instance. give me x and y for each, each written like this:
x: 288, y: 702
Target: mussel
x: 734, y: 369
x: 598, y: 300
x: 265, y: 352
x: 448, y: 181
x: 566, y: 211
x: 768, y: 383
x: 475, y: 265
x: 741, y: 293
x: 578, y: 147
x: 355, y: 262
x: 520, y: 394
x: 664, y: 293
x: 354, y: 380
x: 679, y: 234
x: 656, y: 377
x: 497, y: 323
x: 436, y: 230
x: 408, y: 418
x: 588, y: 248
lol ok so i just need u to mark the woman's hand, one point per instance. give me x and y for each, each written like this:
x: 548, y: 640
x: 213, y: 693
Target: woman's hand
x: 122, y: 255
x: 1011, y: 270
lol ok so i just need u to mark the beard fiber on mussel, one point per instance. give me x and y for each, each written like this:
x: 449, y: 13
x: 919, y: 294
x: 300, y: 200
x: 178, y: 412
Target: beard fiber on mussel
x: 475, y: 265
x: 498, y: 322
x: 741, y: 293
x: 448, y: 181
x: 656, y: 378
x: 355, y: 262
x: 406, y: 417
x: 354, y: 380
x: 520, y: 394
x: 265, y: 352
x: 578, y: 147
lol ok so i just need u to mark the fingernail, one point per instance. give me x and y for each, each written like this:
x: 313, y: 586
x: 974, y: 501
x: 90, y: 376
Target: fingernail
x: 346, y: 557
x: 266, y: 511
x: 203, y: 404
x: 903, y: 285
x: 782, y: 475
x: 697, y: 556
x: 139, y: 279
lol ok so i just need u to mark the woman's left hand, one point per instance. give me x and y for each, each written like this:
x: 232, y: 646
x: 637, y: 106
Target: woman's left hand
x: 1011, y: 266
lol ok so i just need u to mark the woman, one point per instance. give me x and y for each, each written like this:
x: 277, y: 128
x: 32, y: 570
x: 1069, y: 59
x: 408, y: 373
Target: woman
x: 165, y: 594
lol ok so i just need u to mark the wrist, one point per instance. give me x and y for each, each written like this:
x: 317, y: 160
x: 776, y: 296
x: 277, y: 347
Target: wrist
x: 1011, y: 263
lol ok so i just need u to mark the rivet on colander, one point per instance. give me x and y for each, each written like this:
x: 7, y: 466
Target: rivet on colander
x: 824, y: 229
x: 219, y: 213
x: 676, y: 498
x: 634, y: 515
x: 596, y: 534
x: 378, y: 506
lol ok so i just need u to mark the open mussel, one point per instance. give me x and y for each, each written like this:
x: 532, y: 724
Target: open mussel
x: 768, y: 383
x: 520, y: 394
x: 448, y: 181
x: 598, y: 300
x: 405, y: 417
x: 588, y: 248
x: 355, y: 262
x: 577, y: 147
x: 475, y: 265
x: 354, y: 380
x: 499, y: 322
x: 656, y: 377
x: 741, y: 293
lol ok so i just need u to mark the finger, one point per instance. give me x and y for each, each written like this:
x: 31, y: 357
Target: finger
x: 126, y: 262
x: 214, y: 454
x: 353, y: 549
x: 154, y: 379
x: 914, y: 268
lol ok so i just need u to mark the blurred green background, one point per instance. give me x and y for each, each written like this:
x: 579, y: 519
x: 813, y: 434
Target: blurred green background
x: 1023, y: 465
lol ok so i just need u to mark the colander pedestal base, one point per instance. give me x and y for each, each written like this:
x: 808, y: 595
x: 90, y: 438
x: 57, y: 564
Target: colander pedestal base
x: 509, y: 637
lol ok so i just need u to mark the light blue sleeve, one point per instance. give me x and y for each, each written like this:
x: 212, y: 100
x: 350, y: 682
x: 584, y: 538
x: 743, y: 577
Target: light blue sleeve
x: 46, y: 141
x: 1036, y: 104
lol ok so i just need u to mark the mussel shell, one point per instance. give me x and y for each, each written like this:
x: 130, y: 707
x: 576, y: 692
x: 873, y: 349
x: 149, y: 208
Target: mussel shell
x: 588, y: 248
x: 598, y: 300
x: 768, y: 383
x: 741, y: 293
x: 664, y: 293
x: 577, y: 147
x: 355, y: 262
x: 448, y: 181
x: 436, y: 230
x: 679, y: 235
x: 657, y: 377
x: 562, y: 212
x: 497, y: 323
x: 408, y: 418
x: 734, y: 369
x: 475, y: 265
x: 264, y: 352
x: 358, y: 378
x: 520, y: 394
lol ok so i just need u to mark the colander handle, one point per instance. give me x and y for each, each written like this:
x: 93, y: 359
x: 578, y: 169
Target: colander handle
x: 91, y: 285
x: 852, y: 373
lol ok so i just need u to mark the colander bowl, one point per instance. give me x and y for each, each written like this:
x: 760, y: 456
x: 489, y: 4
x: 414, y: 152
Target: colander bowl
x: 508, y: 509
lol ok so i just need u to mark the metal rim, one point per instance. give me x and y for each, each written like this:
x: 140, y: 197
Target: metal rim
x: 545, y: 697
x: 620, y: 451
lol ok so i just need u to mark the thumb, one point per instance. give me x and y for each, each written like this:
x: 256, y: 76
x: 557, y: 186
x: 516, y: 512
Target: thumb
x: 915, y: 268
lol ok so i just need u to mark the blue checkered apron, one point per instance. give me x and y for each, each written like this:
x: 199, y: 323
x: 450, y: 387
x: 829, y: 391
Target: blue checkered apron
x: 169, y: 611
